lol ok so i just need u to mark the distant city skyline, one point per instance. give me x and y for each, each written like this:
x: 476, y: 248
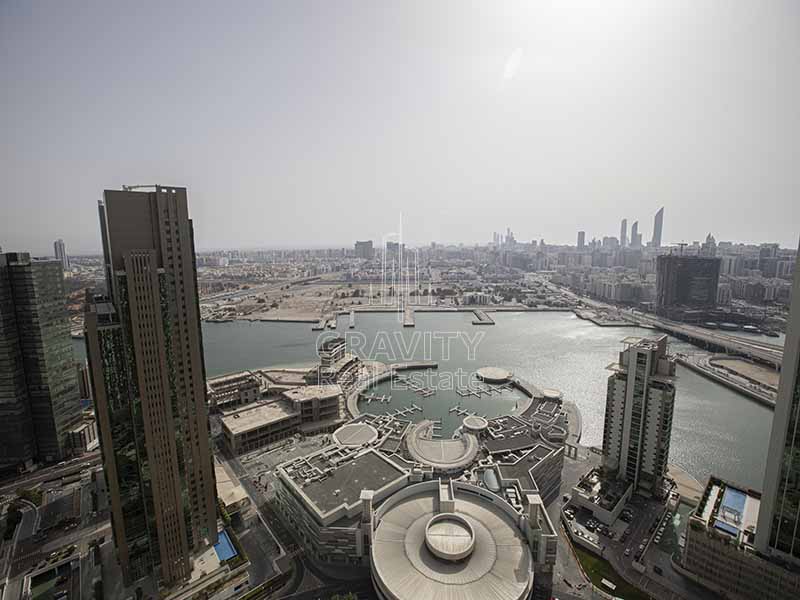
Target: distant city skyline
x: 289, y: 131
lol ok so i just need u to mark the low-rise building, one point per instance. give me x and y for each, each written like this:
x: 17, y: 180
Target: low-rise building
x: 306, y: 410
x: 235, y: 389
x: 720, y: 548
x: 259, y: 424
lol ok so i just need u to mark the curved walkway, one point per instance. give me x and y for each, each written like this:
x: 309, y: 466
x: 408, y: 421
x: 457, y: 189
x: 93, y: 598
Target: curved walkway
x: 441, y: 454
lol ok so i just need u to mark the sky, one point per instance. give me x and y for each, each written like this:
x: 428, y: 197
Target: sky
x: 304, y: 123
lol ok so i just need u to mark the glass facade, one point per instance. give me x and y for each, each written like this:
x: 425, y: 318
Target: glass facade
x: 785, y: 528
x: 17, y: 447
x: 147, y: 363
x: 34, y: 310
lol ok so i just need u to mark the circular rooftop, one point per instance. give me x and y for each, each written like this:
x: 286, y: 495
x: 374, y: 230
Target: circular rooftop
x: 475, y: 423
x: 355, y: 434
x: 473, y: 552
x: 449, y: 537
x: 494, y: 375
x: 444, y: 455
x: 551, y: 394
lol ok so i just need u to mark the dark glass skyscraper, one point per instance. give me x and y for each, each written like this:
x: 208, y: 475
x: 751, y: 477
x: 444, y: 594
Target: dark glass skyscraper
x: 686, y: 282
x: 778, y: 531
x: 148, y: 378
x: 39, y: 399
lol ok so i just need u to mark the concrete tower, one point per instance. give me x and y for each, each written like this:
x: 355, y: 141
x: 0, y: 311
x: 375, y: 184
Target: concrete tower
x: 148, y: 378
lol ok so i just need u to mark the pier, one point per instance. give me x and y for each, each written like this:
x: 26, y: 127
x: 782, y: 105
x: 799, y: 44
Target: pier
x: 404, y: 412
x: 352, y: 323
x: 370, y: 398
x: 417, y: 388
x: 481, y: 318
x: 408, y: 317
x: 478, y: 389
x: 319, y: 326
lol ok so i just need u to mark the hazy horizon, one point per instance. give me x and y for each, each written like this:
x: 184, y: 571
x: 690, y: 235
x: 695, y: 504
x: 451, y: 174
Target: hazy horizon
x: 316, y: 124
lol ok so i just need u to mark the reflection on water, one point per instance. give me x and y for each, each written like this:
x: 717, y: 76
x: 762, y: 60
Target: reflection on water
x: 715, y: 430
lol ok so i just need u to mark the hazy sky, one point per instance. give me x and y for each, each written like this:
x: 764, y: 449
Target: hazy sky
x: 317, y: 123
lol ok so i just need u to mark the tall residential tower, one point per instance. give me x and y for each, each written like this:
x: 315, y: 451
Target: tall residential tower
x: 60, y: 252
x: 145, y: 353
x: 639, y: 407
x: 623, y: 233
x: 658, y: 225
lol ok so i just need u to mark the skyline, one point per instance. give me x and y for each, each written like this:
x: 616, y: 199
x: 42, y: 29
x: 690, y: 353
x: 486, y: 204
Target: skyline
x: 536, y: 113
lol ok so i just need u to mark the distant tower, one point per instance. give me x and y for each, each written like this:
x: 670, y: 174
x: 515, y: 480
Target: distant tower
x: 581, y: 240
x: 60, y: 252
x: 657, y: 227
x: 635, y: 235
x: 623, y: 233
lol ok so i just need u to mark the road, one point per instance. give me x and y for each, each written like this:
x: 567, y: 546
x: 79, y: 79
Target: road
x: 764, y: 351
x: 70, y: 467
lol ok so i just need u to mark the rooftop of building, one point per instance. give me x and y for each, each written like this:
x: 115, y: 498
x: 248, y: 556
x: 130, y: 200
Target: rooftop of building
x: 451, y: 541
x: 311, y: 392
x: 228, y: 488
x: 441, y: 454
x: 334, y: 477
x: 256, y: 415
x: 730, y: 509
x: 232, y: 380
x: 605, y: 492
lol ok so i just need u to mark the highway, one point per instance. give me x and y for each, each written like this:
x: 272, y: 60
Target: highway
x: 70, y: 467
x: 771, y: 354
x: 765, y: 352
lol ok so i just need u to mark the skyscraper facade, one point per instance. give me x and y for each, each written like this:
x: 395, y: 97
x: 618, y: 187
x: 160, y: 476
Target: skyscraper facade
x: 145, y: 353
x: 581, y: 240
x: 778, y: 531
x: 638, y: 420
x: 60, y: 252
x: 658, y: 225
x: 17, y: 445
x: 636, y: 238
x: 686, y: 281
x: 38, y: 375
x: 623, y: 233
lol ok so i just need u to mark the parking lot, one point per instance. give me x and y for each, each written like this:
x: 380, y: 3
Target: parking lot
x: 61, y: 583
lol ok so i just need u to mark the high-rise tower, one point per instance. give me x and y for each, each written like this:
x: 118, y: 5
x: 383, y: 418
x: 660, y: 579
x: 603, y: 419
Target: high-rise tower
x: 623, y: 233
x: 39, y: 401
x: 636, y: 238
x: 148, y: 378
x: 658, y: 224
x: 60, y: 252
x: 639, y: 407
x: 778, y: 530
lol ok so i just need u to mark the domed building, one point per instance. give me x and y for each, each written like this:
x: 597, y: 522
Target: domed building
x: 451, y: 539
